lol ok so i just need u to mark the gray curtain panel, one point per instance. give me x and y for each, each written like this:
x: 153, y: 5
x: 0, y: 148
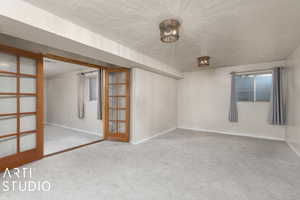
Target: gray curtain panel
x: 233, y: 111
x: 80, y: 97
x: 99, y: 104
x: 278, y: 108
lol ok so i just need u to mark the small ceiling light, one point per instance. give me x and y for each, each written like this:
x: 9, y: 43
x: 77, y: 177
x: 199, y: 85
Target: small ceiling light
x: 169, y: 30
x: 203, y: 61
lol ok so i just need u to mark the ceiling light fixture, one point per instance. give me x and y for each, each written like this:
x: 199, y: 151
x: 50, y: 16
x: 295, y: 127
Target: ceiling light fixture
x: 203, y: 61
x: 169, y: 30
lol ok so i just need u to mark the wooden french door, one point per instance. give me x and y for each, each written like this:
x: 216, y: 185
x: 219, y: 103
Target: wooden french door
x: 21, y: 113
x: 117, y: 104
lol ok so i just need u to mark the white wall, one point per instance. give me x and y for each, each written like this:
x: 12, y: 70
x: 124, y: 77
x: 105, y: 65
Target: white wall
x: 293, y: 126
x: 203, y: 103
x: 153, y: 104
x: 62, y: 104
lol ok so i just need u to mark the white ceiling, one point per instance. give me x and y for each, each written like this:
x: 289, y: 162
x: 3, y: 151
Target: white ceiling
x: 54, y: 67
x: 232, y: 32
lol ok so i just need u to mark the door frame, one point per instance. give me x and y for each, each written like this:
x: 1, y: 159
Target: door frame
x: 78, y: 62
x: 21, y: 158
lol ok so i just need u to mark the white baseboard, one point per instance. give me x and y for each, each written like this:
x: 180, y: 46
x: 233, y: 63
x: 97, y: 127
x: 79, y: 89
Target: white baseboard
x: 73, y: 129
x: 293, y: 148
x: 156, y: 135
x: 234, y: 134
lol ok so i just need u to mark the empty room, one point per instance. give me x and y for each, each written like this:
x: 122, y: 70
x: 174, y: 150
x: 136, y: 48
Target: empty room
x: 179, y: 100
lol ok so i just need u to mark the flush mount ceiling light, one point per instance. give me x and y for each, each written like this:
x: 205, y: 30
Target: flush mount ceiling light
x: 169, y: 30
x: 203, y: 61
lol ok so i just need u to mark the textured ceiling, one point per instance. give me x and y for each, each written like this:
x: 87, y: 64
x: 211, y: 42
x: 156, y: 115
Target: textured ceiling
x: 232, y: 32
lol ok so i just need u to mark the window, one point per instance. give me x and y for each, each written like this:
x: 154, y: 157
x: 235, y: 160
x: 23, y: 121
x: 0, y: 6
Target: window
x: 254, y: 87
x: 245, y: 88
x: 92, y: 88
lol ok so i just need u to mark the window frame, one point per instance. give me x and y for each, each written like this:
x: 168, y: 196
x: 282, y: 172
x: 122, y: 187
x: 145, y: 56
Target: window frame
x: 89, y: 88
x: 254, y: 86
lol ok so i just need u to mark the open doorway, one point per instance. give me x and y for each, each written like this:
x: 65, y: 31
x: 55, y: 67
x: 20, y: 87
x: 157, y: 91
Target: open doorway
x: 39, y: 100
x: 72, y: 105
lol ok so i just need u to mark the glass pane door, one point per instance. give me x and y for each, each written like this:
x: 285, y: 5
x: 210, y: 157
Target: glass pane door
x: 19, y: 108
x: 117, y: 103
x: 8, y: 105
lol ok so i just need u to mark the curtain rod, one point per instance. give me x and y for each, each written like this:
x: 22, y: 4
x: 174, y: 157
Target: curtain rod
x: 88, y: 72
x: 253, y: 71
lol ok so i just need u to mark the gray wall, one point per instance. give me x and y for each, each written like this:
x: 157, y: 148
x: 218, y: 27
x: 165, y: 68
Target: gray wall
x: 293, y: 126
x: 153, y: 104
x: 203, y: 104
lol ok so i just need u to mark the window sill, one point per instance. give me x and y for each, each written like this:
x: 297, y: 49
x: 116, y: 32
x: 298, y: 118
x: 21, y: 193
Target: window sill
x: 253, y: 102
